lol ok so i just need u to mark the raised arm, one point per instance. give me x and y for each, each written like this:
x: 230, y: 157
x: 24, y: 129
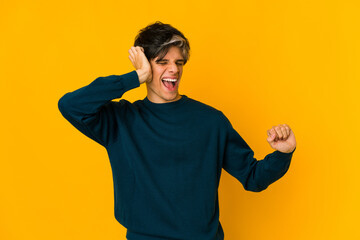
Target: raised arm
x: 255, y: 175
x: 90, y: 108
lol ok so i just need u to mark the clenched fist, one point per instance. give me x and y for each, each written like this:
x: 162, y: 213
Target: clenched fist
x: 141, y: 64
x: 281, y: 138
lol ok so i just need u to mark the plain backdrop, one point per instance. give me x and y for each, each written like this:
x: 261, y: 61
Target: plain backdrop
x: 261, y: 62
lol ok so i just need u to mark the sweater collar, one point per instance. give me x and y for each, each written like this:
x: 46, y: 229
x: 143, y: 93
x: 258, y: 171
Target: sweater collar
x: 168, y: 105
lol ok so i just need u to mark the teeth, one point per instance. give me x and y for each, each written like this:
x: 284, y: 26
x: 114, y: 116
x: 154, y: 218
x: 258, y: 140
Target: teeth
x: 170, y: 80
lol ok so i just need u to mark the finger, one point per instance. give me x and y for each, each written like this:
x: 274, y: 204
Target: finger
x: 131, y: 52
x: 271, y: 137
x: 131, y: 59
x: 274, y: 134
x: 288, y: 129
x: 284, y: 132
x: 278, y: 132
x: 138, y: 48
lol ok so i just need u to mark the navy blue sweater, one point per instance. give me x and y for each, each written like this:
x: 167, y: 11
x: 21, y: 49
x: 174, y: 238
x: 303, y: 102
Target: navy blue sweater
x: 166, y: 158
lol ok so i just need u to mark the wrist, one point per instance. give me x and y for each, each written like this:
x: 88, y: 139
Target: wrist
x: 143, y: 75
x: 288, y: 151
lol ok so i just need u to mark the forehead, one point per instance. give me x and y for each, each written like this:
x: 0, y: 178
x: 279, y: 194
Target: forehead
x: 173, y: 52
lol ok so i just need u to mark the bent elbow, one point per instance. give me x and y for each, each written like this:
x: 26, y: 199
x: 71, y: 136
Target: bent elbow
x: 255, y: 187
x: 64, y: 103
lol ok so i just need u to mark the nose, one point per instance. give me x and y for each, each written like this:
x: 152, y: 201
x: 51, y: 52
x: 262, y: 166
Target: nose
x: 173, y: 68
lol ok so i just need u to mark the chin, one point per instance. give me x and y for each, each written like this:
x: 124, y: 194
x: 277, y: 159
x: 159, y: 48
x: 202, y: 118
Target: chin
x: 172, y: 97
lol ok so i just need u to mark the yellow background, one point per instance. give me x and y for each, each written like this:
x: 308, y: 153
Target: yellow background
x: 262, y: 63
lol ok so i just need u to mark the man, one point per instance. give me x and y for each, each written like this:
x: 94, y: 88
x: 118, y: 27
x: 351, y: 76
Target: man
x: 167, y: 150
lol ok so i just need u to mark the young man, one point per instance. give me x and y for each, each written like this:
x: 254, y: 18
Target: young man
x: 167, y: 150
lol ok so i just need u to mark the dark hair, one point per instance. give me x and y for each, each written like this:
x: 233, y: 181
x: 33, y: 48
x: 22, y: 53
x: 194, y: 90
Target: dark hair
x: 157, y: 38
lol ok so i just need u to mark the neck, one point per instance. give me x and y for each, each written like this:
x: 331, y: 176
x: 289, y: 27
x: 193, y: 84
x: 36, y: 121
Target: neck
x: 157, y: 99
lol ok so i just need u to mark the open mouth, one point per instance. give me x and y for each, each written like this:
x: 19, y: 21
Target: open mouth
x: 170, y: 83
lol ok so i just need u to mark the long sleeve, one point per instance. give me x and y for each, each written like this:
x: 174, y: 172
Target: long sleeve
x: 90, y: 110
x: 254, y: 175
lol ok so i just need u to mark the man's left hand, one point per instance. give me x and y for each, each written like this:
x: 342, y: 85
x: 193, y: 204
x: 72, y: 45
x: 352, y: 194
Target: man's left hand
x: 281, y: 138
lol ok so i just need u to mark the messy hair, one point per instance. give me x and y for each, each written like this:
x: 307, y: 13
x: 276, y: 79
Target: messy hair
x: 157, y: 38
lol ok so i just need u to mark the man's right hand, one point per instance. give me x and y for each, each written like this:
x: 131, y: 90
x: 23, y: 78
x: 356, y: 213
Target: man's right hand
x: 141, y: 64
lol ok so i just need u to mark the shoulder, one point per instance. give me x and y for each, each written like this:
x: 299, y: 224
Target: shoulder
x: 122, y: 106
x: 209, y: 111
x: 121, y: 103
x: 202, y: 106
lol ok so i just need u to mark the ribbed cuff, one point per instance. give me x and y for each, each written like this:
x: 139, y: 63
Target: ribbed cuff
x: 284, y: 155
x: 130, y: 80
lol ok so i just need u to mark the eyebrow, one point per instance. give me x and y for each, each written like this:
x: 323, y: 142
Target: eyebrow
x: 162, y: 60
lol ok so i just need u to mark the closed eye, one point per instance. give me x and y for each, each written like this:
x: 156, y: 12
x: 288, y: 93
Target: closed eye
x: 161, y: 62
x: 164, y: 62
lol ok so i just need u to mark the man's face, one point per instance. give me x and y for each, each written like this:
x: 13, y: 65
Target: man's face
x: 166, y: 74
